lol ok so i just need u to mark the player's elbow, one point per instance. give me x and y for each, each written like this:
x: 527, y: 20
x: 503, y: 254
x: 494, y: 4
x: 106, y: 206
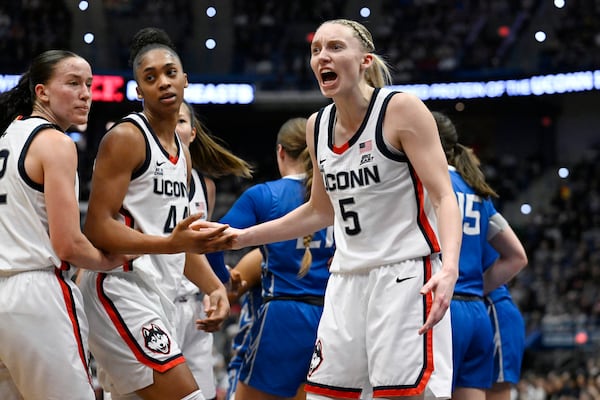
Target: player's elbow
x: 66, y: 249
x: 522, y: 259
x: 518, y: 260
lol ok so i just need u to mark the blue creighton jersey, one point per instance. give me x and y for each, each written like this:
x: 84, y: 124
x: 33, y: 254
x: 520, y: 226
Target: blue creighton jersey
x: 282, y: 260
x: 474, y: 255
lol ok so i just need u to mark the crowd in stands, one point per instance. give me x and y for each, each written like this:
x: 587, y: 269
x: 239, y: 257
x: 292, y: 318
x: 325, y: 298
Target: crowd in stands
x: 27, y: 28
x: 125, y: 17
x: 579, y: 27
x: 559, y: 291
x: 431, y: 40
x: 423, y: 40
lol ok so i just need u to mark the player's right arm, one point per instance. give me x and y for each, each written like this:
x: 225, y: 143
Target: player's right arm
x: 316, y: 214
x: 122, y: 151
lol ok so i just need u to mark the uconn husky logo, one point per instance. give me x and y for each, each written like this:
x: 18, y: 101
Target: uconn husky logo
x: 317, y: 358
x: 156, y: 339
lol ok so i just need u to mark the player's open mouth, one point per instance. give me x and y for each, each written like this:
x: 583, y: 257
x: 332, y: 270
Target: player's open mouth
x: 328, y: 76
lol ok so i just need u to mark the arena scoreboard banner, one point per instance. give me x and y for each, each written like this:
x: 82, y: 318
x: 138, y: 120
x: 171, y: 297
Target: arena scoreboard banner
x: 115, y: 88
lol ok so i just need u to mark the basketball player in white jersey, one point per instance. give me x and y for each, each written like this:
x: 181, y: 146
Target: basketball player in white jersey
x: 381, y: 178
x: 43, y: 329
x: 139, y: 203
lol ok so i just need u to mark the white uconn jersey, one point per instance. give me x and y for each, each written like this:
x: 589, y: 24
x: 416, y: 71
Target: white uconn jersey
x: 24, y: 237
x: 156, y: 200
x: 382, y: 212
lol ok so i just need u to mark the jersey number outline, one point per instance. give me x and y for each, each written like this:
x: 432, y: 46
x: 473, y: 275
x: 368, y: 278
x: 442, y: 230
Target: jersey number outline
x: 4, y: 161
x: 171, y: 221
x: 352, y: 216
x: 471, y: 215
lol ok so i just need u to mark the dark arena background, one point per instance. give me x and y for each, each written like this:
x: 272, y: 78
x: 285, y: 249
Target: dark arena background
x: 521, y: 80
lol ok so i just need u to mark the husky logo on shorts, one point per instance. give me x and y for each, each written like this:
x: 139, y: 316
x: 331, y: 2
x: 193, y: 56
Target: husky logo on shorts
x: 317, y: 358
x: 156, y: 339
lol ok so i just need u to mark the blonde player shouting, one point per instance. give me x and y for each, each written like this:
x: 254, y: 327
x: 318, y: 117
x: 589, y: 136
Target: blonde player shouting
x: 381, y: 178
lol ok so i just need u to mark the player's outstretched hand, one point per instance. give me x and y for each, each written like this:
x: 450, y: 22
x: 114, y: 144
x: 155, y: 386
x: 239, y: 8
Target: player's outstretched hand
x: 217, y: 309
x: 441, y: 285
x: 194, y: 235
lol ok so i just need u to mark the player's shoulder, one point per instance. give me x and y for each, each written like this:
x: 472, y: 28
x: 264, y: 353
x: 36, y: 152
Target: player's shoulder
x: 54, y: 138
x: 404, y: 99
x: 124, y: 133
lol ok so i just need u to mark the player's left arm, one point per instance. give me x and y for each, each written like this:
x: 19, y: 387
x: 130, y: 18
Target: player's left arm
x: 410, y: 127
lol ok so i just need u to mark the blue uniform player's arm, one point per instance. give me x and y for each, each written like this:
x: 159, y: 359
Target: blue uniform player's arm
x: 244, y: 213
x: 217, y: 262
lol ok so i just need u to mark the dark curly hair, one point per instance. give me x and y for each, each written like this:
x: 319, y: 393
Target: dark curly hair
x: 147, y: 39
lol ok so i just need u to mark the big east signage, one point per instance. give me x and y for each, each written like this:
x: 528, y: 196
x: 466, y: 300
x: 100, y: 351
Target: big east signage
x: 116, y: 89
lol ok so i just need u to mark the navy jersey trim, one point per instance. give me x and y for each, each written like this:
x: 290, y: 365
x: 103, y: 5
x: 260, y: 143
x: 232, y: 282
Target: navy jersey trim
x: 155, y: 137
x: 146, y: 164
x: 331, y: 127
x: 316, y: 132
x: 192, y: 189
x: 21, y: 163
x: 379, y: 133
x: 205, y: 191
x: 358, y: 133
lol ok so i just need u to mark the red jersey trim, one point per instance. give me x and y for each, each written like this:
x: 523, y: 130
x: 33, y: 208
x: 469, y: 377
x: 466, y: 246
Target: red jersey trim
x: 422, y: 219
x: 419, y: 386
x: 332, y: 391
x: 72, y: 312
x: 340, y: 149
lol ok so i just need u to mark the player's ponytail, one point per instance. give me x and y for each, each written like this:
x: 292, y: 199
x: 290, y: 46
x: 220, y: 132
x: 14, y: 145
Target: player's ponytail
x: 306, y: 258
x: 209, y: 154
x: 14, y: 102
